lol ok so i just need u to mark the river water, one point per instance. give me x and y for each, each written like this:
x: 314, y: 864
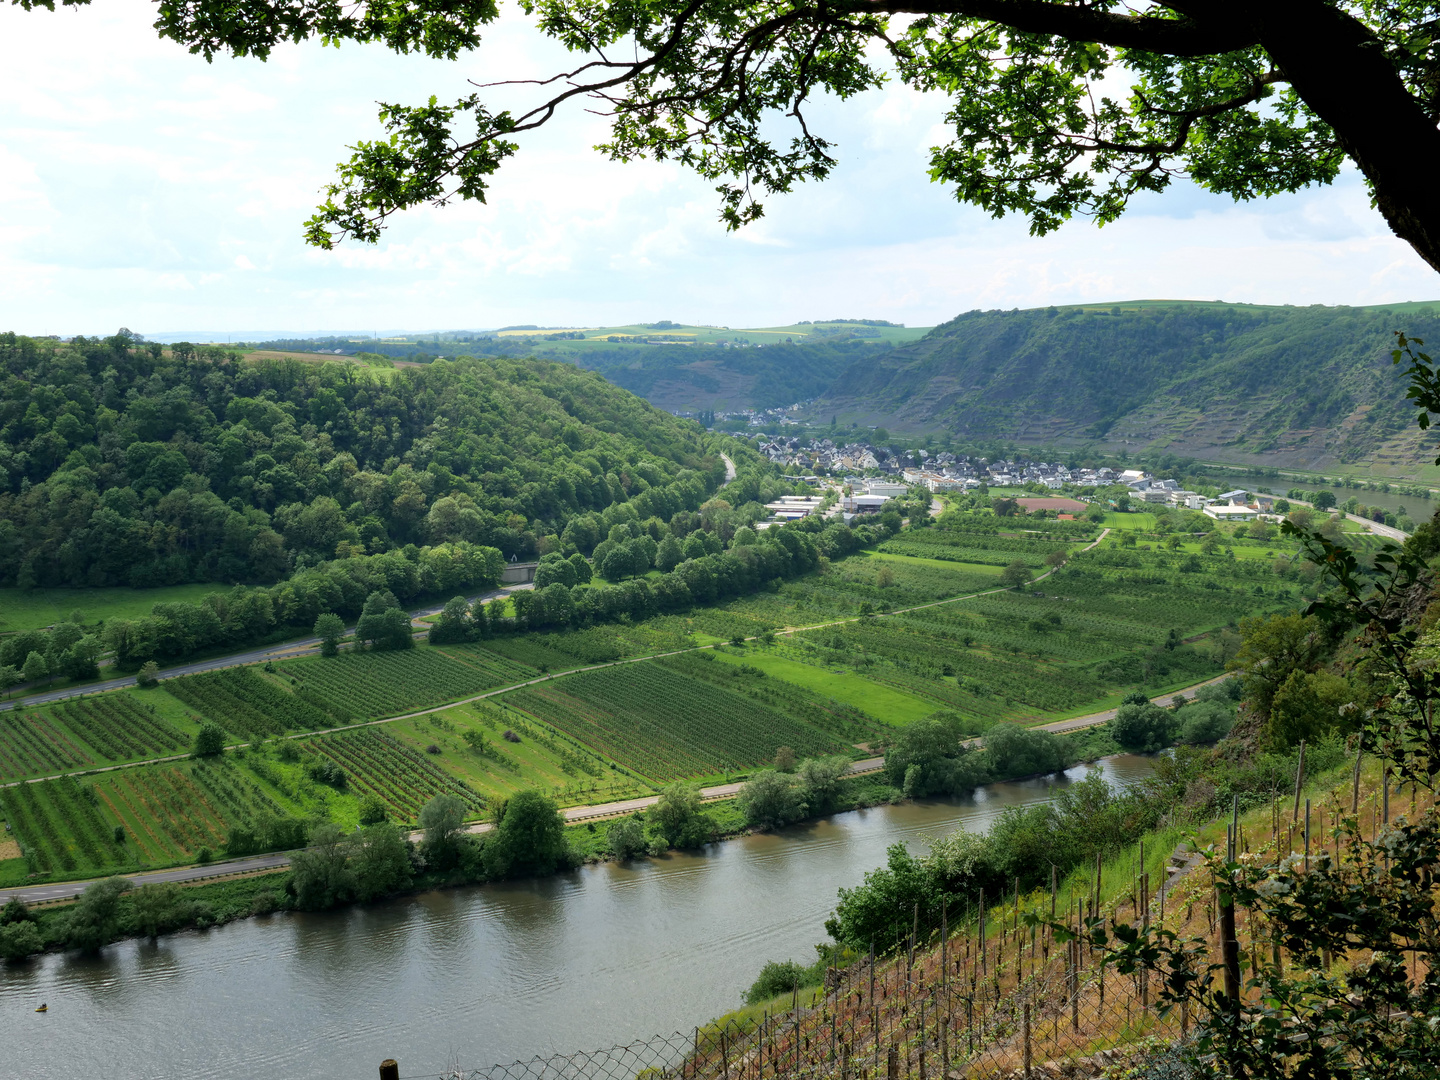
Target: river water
x: 592, y: 959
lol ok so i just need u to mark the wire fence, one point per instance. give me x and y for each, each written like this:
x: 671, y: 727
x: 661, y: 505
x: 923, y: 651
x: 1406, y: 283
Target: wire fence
x: 1005, y: 1001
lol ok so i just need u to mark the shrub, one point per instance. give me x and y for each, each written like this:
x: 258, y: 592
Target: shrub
x: 19, y: 940
x: 626, y: 838
x: 325, y: 771
x: 1141, y: 728
x: 372, y: 810
x: 210, y: 740
x: 772, y: 799
x: 148, y: 675
x: 530, y: 838
x: 776, y: 978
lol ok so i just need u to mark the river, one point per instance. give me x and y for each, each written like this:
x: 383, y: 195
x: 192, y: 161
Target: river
x: 480, y: 975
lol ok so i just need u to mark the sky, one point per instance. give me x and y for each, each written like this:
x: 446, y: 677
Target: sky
x: 142, y: 187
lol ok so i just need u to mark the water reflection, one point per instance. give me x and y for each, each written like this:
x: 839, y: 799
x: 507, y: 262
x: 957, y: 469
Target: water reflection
x: 600, y: 956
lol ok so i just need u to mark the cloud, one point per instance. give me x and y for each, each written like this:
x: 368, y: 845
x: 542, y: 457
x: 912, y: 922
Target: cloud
x: 143, y: 187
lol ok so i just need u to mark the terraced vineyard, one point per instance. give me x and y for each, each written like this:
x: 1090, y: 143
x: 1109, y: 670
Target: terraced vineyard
x: 243, y: 703
x: 379, y: 764
x: 358, y: 685
x: 666, y: 726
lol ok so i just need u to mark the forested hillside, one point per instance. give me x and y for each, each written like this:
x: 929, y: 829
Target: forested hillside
x: 124, y: 464
x: 1300, y: 386
x: 687, y: 378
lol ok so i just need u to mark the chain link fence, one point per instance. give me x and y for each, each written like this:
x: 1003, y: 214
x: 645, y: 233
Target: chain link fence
x: 1014, y: 1003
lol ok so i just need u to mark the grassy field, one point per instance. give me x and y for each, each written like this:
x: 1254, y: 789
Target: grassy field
x: 875, y: 699
x: 32, y: 609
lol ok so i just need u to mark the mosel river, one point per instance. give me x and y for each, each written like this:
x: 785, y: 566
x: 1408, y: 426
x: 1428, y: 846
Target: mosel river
x: 471, y: 976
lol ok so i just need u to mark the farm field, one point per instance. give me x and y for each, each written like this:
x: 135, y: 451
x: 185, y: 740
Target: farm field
x: 472, y: 747
x: 873, y: 698
x: 86, y: 732
x: 357, y: 686
x: 666, y: 726
x: 404, y: 778
x: 593, y: 645
x: 33, y: 609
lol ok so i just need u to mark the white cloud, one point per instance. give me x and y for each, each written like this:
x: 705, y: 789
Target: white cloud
x: 144, y: 187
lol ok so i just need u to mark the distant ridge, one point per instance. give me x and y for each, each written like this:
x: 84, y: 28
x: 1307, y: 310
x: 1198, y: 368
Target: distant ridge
x: 1309, y: 387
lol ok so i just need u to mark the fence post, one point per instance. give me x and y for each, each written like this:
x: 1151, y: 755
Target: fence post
x: 389, y: 1069
x: 944, y: 1048
x: 892, y: 1063
x: 1027, y: 1039
x: 1075, y: 988
x: 1299, y: 777
x: 922, y: 1039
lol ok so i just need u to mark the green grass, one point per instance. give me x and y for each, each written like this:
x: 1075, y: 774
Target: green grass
x: 1145, y: 522
x: 940, y: 564
x: 36, y: 608
x: 883, y: 702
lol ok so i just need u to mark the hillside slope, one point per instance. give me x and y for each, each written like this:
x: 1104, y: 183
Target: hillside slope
x: 1307, y: 387
x: 124, y: 464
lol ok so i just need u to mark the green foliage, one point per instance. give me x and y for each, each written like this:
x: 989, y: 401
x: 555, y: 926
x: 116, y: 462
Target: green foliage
x: 1308, y: 706
x: 19, y: 940
x: 329, y: 628
x: 1142, y: 728
x: 1011, y: 751
x: 678, y: 818
x: 209, y: 740
x: 442, y: 818
x: 776, y: 978
x: 928, y: 758
x: 95, y: 918
x: 528, y: 840
x: 371, y: 810
x: 320, y: 875
x: 771, y: 799
x: 626, y: 838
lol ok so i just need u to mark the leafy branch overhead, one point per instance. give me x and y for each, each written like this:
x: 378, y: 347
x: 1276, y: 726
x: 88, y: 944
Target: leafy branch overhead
x: 1055, y: 108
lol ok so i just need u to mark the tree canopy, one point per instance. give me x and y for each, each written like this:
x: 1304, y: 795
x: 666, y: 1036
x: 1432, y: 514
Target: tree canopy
x: 1055, y: 108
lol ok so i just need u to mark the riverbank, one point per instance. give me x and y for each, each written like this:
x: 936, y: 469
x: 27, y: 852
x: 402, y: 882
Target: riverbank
x: 607, y: 953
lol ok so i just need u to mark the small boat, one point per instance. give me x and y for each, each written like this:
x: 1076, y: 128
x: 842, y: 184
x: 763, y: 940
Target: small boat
x: 43, y: 1008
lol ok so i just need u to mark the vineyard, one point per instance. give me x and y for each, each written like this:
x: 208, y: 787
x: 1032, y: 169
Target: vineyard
x: 167, y: 815
x: 372, y: 684
x: 593, y: 645
x: 973, y: 547
x: 377, y: 763
x: 61, y: 826
x: 244, y: 703
x: 119, y: 727
x: 667, y: 726
x: 33, y: 744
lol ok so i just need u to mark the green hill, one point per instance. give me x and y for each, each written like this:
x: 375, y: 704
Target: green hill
x: 1306, y: 387
x: 122, y: 463
x: 679, y: 367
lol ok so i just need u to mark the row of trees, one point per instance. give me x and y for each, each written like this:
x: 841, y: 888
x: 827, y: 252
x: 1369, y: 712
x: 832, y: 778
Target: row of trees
x: 746, y: 565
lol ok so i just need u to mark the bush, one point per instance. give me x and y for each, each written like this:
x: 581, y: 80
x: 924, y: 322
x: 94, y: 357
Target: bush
x: 1141, y: 728
x: 148, y: 674
x: 776, y: 978
x: 325, y: 771
x: 772, y: 799
x: 530, y: 838
x: 19, y: 940
x: 626, y: 838
x: 678, y: 819
x: 1015, y: 751
x: 94, y: 921
x: 372, y: 810
x: 442, y: 818
x: 15, y: 911
x: 1204, y: 721
x: 929, y: 759
x: 209, y: 740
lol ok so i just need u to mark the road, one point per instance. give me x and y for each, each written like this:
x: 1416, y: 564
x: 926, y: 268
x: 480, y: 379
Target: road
x: 308, y: 646
x: 729, y: 468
